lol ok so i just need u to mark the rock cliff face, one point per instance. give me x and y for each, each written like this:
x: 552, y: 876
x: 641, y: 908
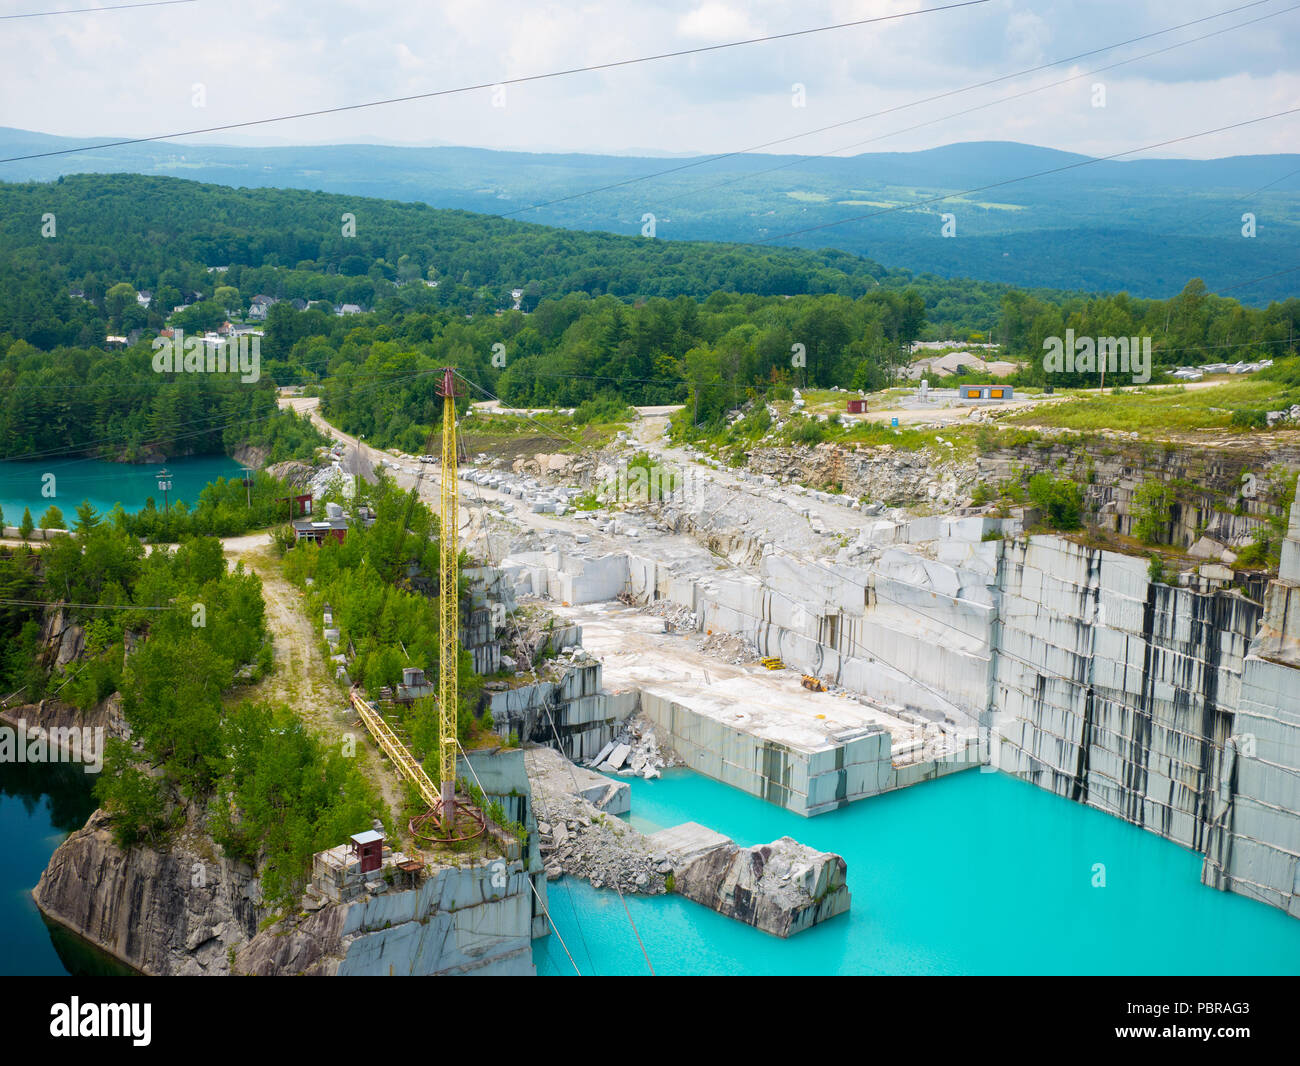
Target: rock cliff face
x: 1227, y: 490
x: 782, y: 888
x: 1254, y: 842
x: 174, y: 911
x: 1113, y: 689
x: 55, y: 717
x: 469, y: 919
x: 882, y: 475
x: 250, y: 456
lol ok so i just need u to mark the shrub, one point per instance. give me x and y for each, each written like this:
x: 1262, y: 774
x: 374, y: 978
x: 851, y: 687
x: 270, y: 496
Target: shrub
x: 806, y: 431
x: 1152, y: 512
x: 1254, y: 554
x: 1246, y: 418
x: 601, y: 409
x: 1060, y: 498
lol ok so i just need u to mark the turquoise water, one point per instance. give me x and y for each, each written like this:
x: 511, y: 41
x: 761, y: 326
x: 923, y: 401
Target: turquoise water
x: 104, y: 484
x: 39, y: 806
x: 977, y: 873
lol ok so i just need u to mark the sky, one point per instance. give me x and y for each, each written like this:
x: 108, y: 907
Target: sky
x: 161, y: 70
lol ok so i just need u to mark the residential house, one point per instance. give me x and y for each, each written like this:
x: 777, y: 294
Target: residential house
x: 259, y: 305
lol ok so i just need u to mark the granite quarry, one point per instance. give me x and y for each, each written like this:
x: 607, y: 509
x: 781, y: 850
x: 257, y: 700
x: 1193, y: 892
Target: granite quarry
x: 946, y: 642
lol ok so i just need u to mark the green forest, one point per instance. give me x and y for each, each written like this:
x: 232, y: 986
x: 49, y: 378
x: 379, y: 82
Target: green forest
x: 177, y: 634
x: 600, y: 317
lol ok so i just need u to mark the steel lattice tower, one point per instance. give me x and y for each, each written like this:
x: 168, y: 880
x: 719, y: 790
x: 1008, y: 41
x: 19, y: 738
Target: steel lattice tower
x: 448, y: 602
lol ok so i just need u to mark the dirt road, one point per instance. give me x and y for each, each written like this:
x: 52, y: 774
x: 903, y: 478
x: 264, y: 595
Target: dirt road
x: 303, y: 678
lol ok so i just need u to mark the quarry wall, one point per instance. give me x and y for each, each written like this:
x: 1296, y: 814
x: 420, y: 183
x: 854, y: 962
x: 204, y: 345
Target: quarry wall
x: 1176, y: 708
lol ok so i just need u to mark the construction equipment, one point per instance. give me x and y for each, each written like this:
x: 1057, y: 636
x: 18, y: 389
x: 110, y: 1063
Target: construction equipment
x: 772, y: 663
x: 448, y: 603
x: 813, y: 684
x: 448, y: 597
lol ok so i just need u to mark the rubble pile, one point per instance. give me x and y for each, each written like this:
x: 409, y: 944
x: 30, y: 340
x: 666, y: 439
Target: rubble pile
x: 634, y: 751
x: 582, y: 838
x: 675, y: 615
x: 730, y: 647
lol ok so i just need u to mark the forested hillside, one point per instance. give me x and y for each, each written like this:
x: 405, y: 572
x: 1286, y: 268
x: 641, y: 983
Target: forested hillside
x: 628, y: 319
x: 1142, y: 225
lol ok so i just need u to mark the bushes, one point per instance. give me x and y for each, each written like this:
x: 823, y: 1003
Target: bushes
x: 1246, y: 418
x: 223, y: 511
x: 1254, y: 554
x: 603, y: 408
x: 1152, y: 512
x: 805, y: 431
x: 1059, y: 498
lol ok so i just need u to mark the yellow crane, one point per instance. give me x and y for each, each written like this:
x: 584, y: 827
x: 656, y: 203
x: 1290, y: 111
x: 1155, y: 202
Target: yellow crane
x: 441, y: 800
x: 448, y: 603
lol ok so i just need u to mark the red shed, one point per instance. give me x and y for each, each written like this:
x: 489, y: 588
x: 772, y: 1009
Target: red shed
x: 301, y: 504
x: 857, y: 407
x: 369, y: 848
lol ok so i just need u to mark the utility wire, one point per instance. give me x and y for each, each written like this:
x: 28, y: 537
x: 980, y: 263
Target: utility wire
x: 874, y: 114
x: 1027, y: 177
x: 92, y: 10
x: 546, y: 706
x: 527, y: 877
x: 979, y: 107
x: 493, y: 84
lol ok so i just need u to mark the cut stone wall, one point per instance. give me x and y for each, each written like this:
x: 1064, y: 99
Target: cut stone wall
x: 1112, y: 689
x: 806, y: 782
x: 470, y: 919
x: 1254, y: 840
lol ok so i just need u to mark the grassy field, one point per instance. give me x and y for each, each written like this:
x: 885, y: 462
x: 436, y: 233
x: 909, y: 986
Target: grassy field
x: 1163, y: 410
x: 515, y: 435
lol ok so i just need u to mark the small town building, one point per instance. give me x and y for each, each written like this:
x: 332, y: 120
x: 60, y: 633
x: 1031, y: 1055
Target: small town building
x: 984, y: 393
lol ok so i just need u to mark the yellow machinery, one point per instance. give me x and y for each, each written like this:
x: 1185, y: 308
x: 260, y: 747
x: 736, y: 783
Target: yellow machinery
x: 812, y: 684
x: 448, y: 603
x: 438, y: 824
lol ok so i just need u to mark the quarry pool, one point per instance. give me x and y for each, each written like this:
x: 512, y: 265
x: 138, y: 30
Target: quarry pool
x: 40, y: 804
x: 104, y: 484
x: 977, y: 873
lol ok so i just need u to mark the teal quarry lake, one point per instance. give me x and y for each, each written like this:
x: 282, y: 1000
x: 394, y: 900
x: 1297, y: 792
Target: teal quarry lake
x: 976, y: 873
x: 40, y: 804
x: 104, y: 484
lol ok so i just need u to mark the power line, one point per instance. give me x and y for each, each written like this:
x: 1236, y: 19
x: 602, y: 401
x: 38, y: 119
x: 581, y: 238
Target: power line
x: 91, y: 10
x: 546, y: 707
x: 1265, y: 277
x: 490, y: 85
x: 89, y: 606
x: 1027, y: 177
x: 875, y: 114
x: 542, y: 903
x: 991, y: 103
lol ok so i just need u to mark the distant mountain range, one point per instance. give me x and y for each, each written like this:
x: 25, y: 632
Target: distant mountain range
x: 1143, y: 225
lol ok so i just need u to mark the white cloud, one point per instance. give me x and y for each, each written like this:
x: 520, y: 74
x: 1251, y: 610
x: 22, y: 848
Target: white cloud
x: 130, y: 73
x: 717, y: 24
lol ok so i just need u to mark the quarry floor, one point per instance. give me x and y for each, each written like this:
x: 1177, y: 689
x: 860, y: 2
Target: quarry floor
x: 635, y: 652
x: 634, y: 649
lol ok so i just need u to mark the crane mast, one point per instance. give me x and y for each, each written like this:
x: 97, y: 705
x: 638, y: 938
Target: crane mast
x: 448, y: 603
